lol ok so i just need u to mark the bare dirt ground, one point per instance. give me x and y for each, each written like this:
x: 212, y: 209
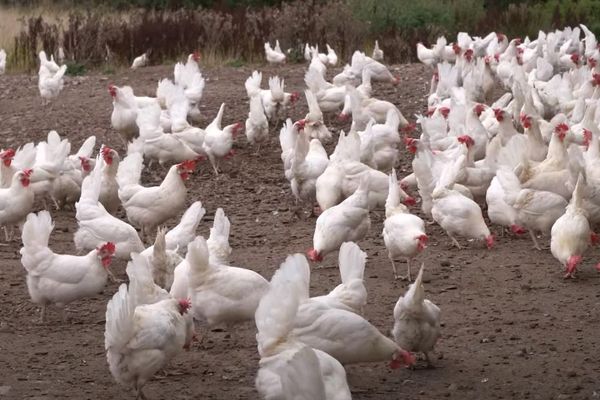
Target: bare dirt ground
x: 512, y: 327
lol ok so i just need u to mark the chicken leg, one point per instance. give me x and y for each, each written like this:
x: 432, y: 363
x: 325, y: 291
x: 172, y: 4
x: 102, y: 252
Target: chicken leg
x: 428, y: 360
x: 455, y: 243
x: 394, y: 267
x: 535, y: 242
x: 43, y: 314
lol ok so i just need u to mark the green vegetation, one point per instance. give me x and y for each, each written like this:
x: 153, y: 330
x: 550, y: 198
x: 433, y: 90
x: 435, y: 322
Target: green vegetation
x: 75, y: 69
x: 234, y: 31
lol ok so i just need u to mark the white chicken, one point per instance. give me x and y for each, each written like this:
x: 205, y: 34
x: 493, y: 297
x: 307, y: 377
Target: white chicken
x: 109, y: 191
x: 50, y: 158
x: 189, y: 77
x: 287, y: 140
x: 342, y: 334
x: 13, y: 161
x: 348, y: 221
x: 571, y: 234
x: 274, y: 55
x: 274, y: 100
x: 2, y: 61
x: 50, y: 80
x: 274, y: 319
x: 537, y: 210
x: 155, y: 144
x: 139, y: 61
x: 329, y: 97
x: 332, y: 58
x: 149, y: 207
x: 416, y: 320
x: 309, y: 160
x: 257, y: 125
x: 168, y: 247
x: 377, y: 52
x: 456, y: 214
x: 344, y: 172
x: 124, y: 114
x: 60, y: 279
x: 403, y: 233
x: 16, y: 201
x: 379, y: 143
x: 97, y: 226
x: 313, y: 122
x: 140, y: 339
x: 218, y: 142
x: 66, y: 187
x: 218, y: 251
x: 221, y: 294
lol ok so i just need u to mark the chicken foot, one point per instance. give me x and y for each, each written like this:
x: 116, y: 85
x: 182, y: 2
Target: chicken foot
x: 139, y: 394
x: 401, y: 277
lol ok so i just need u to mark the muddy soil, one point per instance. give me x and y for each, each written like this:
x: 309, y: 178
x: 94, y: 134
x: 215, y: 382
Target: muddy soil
x: 512, y: 327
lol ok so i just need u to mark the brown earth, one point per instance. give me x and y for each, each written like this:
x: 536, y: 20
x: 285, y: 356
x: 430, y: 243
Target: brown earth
x: 512, y: 327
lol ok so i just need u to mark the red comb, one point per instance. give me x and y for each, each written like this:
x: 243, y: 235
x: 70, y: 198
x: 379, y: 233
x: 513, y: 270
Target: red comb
x: 409, y: 128
x: 108, y: 247
x: 466, y: 139
x: 8, y: 153
x: 188, y: 165
x: 28, y: 172
x: 562, y: 127
x: 105, y: 150
x: 184, y: 305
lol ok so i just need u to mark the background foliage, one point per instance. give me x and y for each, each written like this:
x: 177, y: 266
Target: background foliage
x: 93, y: 32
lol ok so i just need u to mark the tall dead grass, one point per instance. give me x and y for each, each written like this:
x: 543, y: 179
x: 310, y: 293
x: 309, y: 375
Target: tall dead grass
x: 94, y: 37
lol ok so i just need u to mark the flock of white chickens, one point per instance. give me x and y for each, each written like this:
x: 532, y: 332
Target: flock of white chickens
x: 532, y: 158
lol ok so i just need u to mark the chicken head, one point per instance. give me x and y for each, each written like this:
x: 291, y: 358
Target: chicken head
x: 6, y: 156
x: 106, y: 253
x: 402, y: 358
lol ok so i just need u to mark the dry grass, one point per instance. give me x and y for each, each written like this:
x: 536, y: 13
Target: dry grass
x: 237, y: 35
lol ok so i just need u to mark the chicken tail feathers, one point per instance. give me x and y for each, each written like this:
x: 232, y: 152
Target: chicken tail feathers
x: 302, y: 374
x: 393, y: 198
x: 37, y: 229
x: 253, y: 84
x: 119, y: 320
x: 87, y: 147
x: 352, y: 262
x: 218, y: 241
x: 181, y: 235
x: 198, y: 258
x: 159, y: 258
x: 129, y: 174
x: 141, y: 284
x: 277, y: 309
x: 276, y: 86
x: 216, y: 123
